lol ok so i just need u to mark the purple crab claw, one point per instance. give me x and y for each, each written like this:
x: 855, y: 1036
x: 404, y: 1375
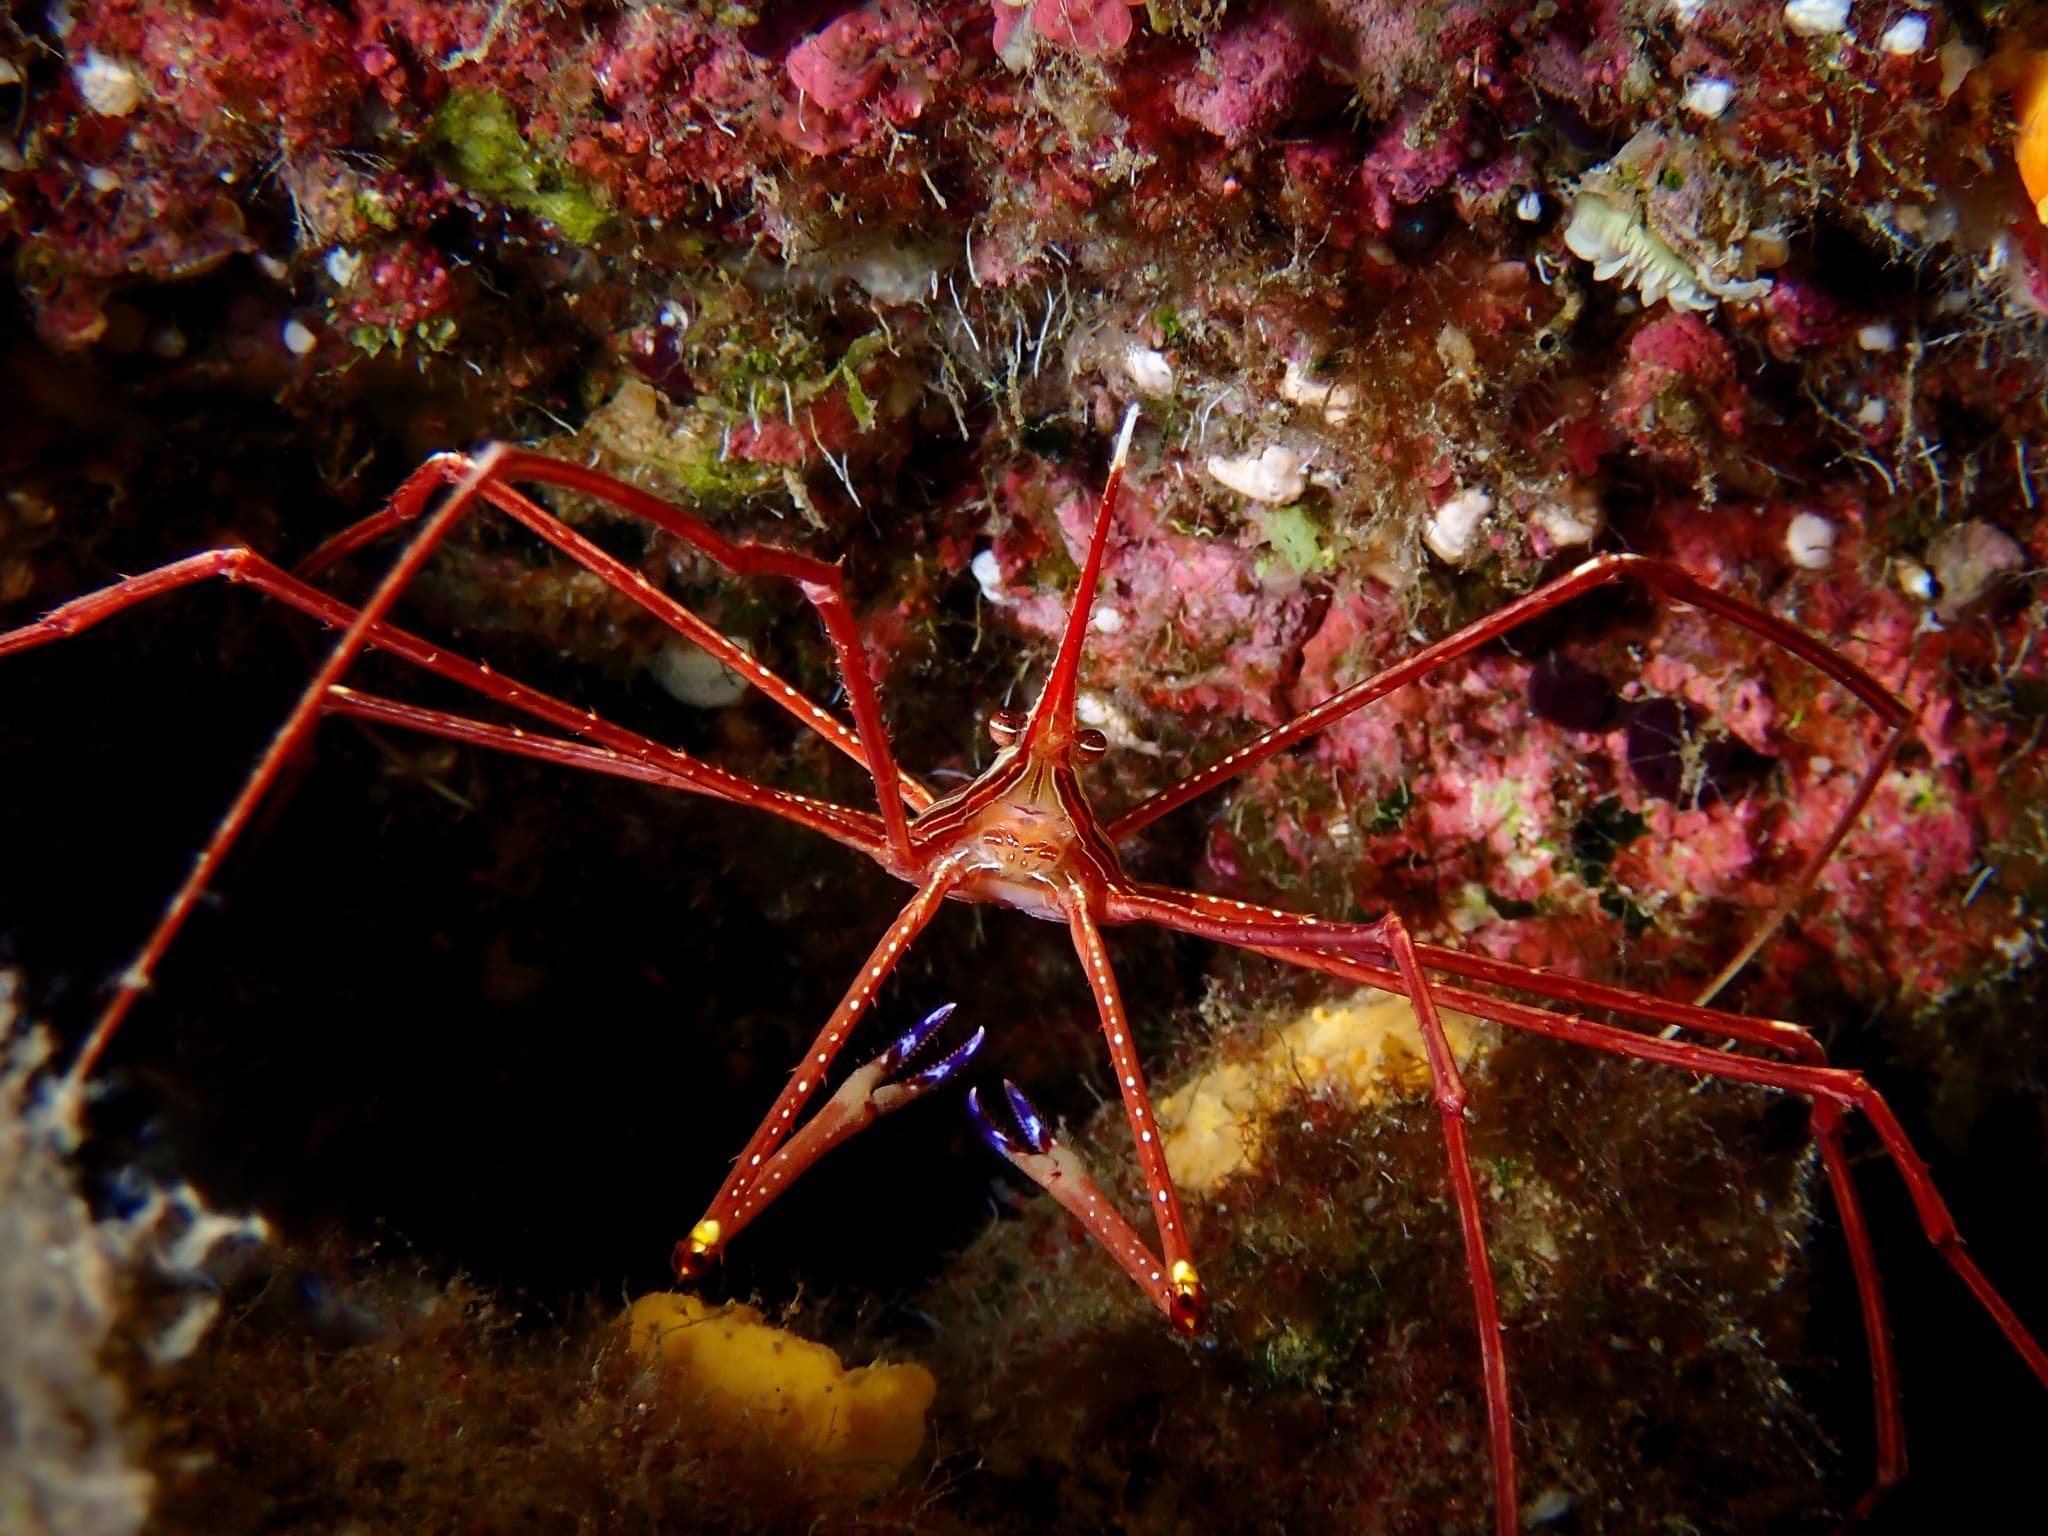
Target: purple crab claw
x: 1035, y: 1141
x: 911, y: 1039
x: 870, y: 1087
x: 950, y: 1063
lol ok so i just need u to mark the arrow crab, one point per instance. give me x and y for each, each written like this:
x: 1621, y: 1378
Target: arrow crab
x: 1023, y: 834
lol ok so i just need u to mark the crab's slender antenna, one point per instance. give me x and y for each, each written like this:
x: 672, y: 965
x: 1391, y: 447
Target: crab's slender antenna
x: 1052, y: 717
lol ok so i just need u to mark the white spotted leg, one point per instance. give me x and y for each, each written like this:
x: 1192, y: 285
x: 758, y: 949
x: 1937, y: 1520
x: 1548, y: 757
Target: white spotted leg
x: 1169, y: 1276
x: 780, y: 1149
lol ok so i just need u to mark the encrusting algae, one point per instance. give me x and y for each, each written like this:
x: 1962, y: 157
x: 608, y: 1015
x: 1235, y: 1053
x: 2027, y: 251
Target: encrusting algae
x: 763, y: 1387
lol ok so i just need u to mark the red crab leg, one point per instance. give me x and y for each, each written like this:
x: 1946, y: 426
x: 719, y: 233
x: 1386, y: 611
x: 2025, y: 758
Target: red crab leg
x: 1451, y: 1098
x: 759, y: 1175
x: 1055, y: 1169
x: 291, y: 737
x: 867, y: 744
x: 1831, y: 1088
x: 245, y: 567
x: 1053, y: 715
x: 1236, y: 922
x: 859, y: 830
x: 868, y: 1093
x: 1837, y: 1085
x: 1659, y: 575
x: 1168, y: 1277
x: 1183, y: 1287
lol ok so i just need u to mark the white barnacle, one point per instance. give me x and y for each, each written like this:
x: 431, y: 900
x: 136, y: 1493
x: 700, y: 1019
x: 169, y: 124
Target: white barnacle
x: 1149, y: 371
x: 1451, y: 527
x: 1810, y: 541
x: 1276, y: 474
x: 1336, y: 401
x: 108, y: 86
x: 1708, y: 97
x: 299, y: 339
x: 1816, y: 18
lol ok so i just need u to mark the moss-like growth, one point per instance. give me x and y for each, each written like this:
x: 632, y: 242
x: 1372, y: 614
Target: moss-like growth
x: 477, y: 140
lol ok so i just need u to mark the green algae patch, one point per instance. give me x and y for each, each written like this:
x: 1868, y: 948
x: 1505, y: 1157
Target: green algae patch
x: 1296, y: 537
x: 476, y: 138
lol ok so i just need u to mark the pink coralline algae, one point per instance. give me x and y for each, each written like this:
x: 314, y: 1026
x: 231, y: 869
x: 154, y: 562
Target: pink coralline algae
x: 1094, y: 29
x: 1231, y: 626
x: 868, y: 67
x: 1247, y: 75
x: 1413, y: 157
x: 1679, y: 391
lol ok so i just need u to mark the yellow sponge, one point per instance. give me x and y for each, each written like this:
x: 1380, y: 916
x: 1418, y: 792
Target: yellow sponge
x: 852, y: 1432
x: 1358, y: 1049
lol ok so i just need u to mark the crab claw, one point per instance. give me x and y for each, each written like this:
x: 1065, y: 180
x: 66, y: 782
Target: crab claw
x: 1036, y: 1139
x: 908, y: 1042
x: 871, y: 1085
x: 913, y: 1040
x: 869, y: 1092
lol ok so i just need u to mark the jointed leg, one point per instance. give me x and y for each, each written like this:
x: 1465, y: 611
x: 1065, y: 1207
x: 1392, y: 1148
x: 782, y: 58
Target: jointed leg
x: 1168, y: 1276
x: 1259, y: 928
x: 867, y: 743
x: 1832, y: 1088
x: 1662, y: 577
x: 1450, y: 1102
x: 290, y: 738
x: 766, y: 1167
x: 855, y: 828
x: 657, y: 765
x: 366, y: 627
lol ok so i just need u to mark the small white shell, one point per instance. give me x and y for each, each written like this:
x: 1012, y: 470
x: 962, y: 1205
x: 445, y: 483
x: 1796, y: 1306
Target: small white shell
x: 1810, y: 541
x: 108, y: 86
x: 988, y: 575
x: 1277, y: 474
x: 343, y: 265
x: 1150, y: 373
x: 1572, y: 519
x: 1337, y: 401
x: 1708, y: 97
x: 1816, y: 18
x: 1450, y: 528
x: 1904, y: 37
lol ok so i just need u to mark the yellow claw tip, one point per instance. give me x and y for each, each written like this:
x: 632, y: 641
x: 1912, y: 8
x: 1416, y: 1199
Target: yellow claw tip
x: 697, y: 1252
x: 1188, y: 1306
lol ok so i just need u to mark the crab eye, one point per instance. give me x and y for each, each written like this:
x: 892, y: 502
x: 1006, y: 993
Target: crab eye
x: 1004, y: 726
x: 1089, y: 745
